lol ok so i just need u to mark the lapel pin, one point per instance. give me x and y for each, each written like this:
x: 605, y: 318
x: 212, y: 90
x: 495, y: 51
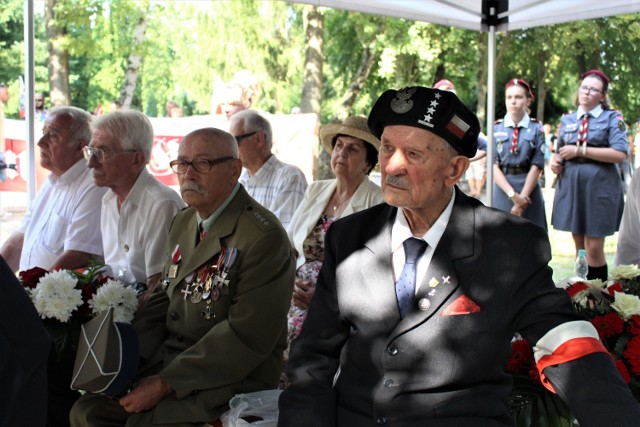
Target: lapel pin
x: 424, y: 304
x: 433, y: 282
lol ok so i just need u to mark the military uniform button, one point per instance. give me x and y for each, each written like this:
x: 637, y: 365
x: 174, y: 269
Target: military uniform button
x: 424, y: 304
x: 388, y: 383
x: 393, y: 350
x: 381, y: 421
x: 174, y: 315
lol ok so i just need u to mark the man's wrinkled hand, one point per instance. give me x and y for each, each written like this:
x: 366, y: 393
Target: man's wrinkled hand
x: 146, y: 394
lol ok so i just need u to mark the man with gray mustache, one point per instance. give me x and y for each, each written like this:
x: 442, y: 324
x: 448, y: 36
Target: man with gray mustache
x: 217, y: 326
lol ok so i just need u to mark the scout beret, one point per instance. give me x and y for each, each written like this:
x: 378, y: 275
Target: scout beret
x: 520, y: 82
x: 446, y: 83
x: 598, y: 73
x: 437, y: 111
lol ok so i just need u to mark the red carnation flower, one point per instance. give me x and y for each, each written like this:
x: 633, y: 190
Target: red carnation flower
x: 521, y: 355
x: 30, y: 278
x: 623, y: 371
x: 632, y: 354
x: 608, y: 325
x: 633, y: 324
x: 534, y: 374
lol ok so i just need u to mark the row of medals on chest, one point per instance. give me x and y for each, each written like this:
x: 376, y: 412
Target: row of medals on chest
x: 204, y: 284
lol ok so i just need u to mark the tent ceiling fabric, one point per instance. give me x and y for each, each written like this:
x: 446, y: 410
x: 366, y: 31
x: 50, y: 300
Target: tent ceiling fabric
x: 468, y: 14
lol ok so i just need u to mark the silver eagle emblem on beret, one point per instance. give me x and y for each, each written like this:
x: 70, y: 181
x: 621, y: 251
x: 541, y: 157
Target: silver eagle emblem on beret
x: 402, y: 103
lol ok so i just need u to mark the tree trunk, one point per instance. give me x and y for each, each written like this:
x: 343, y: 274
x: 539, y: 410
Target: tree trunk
x: 349, y: 98
x: 133, y: 67
x: 542, y: 88
x: 313, y: 61
x: 311, y: 98
x: 58, y: 58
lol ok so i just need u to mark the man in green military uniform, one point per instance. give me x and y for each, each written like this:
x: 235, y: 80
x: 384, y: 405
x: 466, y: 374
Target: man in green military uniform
x: 217, y: 325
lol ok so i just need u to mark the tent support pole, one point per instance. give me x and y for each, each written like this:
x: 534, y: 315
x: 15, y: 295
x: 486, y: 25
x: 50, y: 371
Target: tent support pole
x: 29, y: 108
x: 491, y: 98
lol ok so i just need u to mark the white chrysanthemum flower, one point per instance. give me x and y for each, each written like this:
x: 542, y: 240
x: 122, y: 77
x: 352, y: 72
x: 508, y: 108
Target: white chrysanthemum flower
x: 56, y: 295
x: 597, y: 283
x: 626, y: 305
x: 624, y: 272
x: 115, y: 294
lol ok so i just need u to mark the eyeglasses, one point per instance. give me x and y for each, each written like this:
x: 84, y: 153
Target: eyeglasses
x: 589, y: 90
x: 245, y: 135
x: 198, y: 165
x: 99, y: 154
x: 39, y: 100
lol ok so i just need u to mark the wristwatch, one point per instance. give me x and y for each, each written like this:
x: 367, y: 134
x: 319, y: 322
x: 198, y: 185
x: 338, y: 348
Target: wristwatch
x: 511, y: 193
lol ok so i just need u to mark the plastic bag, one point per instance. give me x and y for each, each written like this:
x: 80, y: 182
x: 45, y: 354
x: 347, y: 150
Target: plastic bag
x: 261, y: 404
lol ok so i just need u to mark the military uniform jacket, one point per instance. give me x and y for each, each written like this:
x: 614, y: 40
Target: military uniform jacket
x: 239, y: 348
x: 432, y: 367
x: 531, y: 144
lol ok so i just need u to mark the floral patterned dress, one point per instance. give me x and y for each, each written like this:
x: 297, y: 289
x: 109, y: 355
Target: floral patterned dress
x: 313, y: 248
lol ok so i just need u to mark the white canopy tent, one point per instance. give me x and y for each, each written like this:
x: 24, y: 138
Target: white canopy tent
x: 479, y: 15
x: 490, y: 16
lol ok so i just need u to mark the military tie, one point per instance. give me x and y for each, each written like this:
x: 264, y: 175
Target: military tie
x: 406, y: 285
x: 201, y: 232
x: 514, y: 140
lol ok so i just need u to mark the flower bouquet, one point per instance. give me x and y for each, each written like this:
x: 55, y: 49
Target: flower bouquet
x: 65, y: 299
x: 530, y: 403
x: 613, y: 307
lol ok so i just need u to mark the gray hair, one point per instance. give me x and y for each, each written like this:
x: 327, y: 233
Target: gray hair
x: 253, y: 122
x: 132, y: 128
x: 80, y: 123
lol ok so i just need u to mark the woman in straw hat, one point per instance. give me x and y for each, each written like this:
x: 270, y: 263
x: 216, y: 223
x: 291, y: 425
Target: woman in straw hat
x: 354, y: 153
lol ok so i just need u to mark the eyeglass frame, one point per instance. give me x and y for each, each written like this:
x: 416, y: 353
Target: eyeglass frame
x: 89, y: 151
x: 175, y: 164
x: 589, y: 90
x: 245, y: 135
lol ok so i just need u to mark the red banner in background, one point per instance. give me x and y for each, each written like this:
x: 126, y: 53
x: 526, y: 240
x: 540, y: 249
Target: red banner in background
x: 295, y: 142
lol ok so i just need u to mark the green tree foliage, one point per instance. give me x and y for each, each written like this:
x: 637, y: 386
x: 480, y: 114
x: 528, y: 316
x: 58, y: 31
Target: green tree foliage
x: 191, y: 48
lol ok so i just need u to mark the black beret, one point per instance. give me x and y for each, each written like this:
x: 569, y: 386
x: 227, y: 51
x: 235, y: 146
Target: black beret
x: 438, y: 111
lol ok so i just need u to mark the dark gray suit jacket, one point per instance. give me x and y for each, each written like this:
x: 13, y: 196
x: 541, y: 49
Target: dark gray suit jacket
x: 428, y: 368
x: 24, y: 349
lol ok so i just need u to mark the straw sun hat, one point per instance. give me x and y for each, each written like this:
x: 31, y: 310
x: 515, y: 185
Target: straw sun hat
x: 355, y: 126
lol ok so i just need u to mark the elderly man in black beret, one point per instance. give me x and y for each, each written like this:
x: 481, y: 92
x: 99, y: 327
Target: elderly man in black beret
x: 419, y: 297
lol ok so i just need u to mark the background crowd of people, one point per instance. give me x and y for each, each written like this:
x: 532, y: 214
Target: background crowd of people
x: 235, y: 269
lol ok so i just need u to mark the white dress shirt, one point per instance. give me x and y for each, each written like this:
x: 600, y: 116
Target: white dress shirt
x: 135, y: 237
x: 64, y: 216
x: 400, y: 232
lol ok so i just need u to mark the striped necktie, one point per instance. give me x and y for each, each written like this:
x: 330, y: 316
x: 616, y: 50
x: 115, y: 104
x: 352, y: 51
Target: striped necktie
x: 406, y: 285
x: 514, y: 140
x: 583, y: 131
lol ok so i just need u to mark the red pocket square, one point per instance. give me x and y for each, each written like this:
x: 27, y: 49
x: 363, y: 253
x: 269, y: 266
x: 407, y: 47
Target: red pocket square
x: 461, y: 305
